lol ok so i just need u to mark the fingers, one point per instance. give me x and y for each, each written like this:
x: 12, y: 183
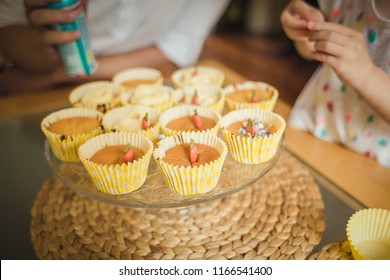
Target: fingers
x: 329, y: 36
x: 330, y: 26
x: 306, y: 11
x: 52, y: 37
x: 33, y: 4
x: 43, y: 17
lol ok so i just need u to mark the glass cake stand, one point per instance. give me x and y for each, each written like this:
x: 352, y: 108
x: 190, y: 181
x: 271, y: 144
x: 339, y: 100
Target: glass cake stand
x: 154, y: 193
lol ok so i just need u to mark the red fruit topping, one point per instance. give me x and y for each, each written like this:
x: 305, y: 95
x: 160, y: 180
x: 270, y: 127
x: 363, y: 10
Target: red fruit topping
x: 197, y: 120
x: 254, y: 98
x: 250, y: 128
x: 193, y: 152
x: 195, y: 99
x: 145, y: 122
x: 128, y: 154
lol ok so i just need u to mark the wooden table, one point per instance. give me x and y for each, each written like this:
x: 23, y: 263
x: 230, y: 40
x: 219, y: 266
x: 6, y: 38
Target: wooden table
x: 341, y: 170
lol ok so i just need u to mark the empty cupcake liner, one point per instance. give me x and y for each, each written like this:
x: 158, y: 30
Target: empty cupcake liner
x: 368, y: 233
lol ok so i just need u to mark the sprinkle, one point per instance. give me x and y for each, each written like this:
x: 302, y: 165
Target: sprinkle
x: 370, y: 118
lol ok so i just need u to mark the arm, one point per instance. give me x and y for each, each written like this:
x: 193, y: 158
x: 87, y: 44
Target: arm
x: 345, y: 50
x: 108, y: 65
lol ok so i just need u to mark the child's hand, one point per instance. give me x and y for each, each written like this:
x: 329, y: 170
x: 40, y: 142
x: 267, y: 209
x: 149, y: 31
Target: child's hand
x: 294, y: 19
x: 343, y: 48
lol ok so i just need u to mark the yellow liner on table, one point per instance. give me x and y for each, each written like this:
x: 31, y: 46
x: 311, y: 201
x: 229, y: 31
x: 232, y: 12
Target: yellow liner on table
x: 65, y: 148
x: 100, y: 95
x: 264, y: 104
x: 253, y: 150
x: 117, y: 179
x: 191, y: 180
x: 368, y: 233
x: 180, y: 111
x: 136, y: 112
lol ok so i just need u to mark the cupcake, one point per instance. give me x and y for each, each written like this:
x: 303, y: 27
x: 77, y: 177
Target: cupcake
x: 67, y: 129
x: 133, y: 118
x: 203, y: 95
x: 191, y: 163
x: 198, y: 75
x: 368, y: 233
x: 117, y: 162
x: 252, y: 135
x: 156, y: 96
x: 187, y: 118
x: 134, y: 77
x: 100, y: 95
x: 251, y: 95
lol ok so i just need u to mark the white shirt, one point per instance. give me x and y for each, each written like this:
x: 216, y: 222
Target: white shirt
x: 177, y: 27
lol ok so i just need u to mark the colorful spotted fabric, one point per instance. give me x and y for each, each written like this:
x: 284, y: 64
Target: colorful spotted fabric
x: 332, y: 110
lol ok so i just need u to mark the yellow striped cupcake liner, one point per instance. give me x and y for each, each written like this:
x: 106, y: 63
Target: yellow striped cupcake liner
x: 139, y: 73
x: 99, y: 95
x: 211, y: 96
x: 111, y: 120
x: 148, y: 95
x: 252, y: 150
x: 191, y: 180
x: 368, y: 233
x: 197, y: 75
x: 265, y: 105
x: 188, y: 110
x: 117, y: 179
x: 65, y: 148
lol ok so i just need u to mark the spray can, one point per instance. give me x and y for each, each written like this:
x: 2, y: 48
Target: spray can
x: 77, y: 56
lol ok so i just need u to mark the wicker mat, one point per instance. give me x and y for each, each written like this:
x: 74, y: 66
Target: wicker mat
x: 279, y: 217
x: 339, y: 250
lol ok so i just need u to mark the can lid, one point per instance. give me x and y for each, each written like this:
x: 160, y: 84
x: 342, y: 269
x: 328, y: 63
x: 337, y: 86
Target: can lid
x: 61, y: 4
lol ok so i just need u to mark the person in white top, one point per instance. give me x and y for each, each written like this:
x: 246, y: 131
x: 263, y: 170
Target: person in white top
x: 347, y: 100
x: 124, y: 33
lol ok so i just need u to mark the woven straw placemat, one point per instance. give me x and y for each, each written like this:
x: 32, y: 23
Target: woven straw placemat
x: 339, y: 250
x: 279, y: 217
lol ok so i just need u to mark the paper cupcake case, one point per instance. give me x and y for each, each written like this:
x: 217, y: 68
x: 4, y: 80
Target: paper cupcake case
x: 116, y: 115
x: 112, y: 100
x: 206, y: 75
x: 191, y: 180
x: 253, y: 150
x: 137, y: 74
x: 117, y: 179
x: 127, y: 97
x: 368, y: 233
x: 184, y: 96
x: 188, y: 110
x: 65, y: 148
x: 265, y: 104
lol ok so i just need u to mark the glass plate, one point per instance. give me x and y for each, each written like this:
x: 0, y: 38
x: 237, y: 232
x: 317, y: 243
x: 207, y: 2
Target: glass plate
x: 154, y: 193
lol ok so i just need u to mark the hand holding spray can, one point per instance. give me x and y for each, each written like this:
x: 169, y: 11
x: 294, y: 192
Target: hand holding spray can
x: 77, y: 56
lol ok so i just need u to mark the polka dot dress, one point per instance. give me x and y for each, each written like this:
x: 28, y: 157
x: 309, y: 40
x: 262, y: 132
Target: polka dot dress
x: 332, y: 110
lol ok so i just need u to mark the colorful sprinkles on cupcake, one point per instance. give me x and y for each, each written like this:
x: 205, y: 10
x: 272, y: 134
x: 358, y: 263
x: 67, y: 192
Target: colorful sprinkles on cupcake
x: 251, y: 127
